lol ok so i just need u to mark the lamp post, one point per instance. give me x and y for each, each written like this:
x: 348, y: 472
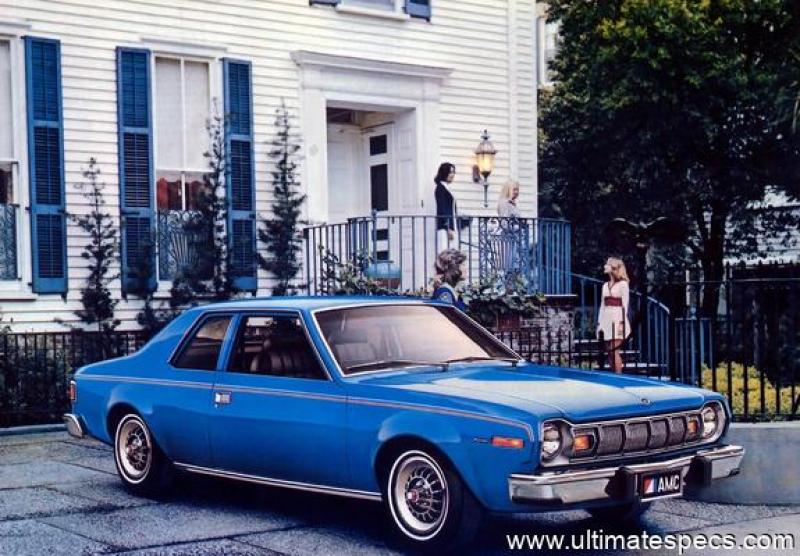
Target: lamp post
x: 484, y: 164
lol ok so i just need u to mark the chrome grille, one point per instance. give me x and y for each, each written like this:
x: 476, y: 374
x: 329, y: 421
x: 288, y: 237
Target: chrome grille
x: 645, y: 434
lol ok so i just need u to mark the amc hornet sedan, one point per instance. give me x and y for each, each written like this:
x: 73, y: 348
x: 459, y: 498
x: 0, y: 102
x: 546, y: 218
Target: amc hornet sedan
x: 406, y: 402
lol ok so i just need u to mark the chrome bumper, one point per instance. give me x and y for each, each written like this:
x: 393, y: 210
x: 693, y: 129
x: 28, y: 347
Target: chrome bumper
x: 74, y: 426
x: 618, y: 483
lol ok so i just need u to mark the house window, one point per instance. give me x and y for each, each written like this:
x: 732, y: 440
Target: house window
x: 549, y: 42
x: 375, y: 4
x: 8, y: 168
x: 182, y: 108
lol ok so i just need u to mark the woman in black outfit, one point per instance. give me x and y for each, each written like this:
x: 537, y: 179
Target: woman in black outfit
x: 446, y: 206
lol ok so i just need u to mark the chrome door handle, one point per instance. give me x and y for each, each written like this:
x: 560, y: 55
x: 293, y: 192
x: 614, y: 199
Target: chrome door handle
x: 221, y: 398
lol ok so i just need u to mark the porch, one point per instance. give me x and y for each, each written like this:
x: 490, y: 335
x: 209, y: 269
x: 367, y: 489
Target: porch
x: 400, y: 251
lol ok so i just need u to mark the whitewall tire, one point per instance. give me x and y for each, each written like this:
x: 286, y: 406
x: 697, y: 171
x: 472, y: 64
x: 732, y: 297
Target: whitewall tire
x: 141, y: 465
x: 429, y: 505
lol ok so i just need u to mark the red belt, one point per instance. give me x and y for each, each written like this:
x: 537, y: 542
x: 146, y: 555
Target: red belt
x: 612, y: 301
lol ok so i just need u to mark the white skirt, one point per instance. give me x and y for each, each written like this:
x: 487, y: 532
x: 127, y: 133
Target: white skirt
x: 613, y: 323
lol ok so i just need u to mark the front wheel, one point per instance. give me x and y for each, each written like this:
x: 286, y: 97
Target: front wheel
x: 625, y: 513
x: 429, y: 504
x: 142, y: 466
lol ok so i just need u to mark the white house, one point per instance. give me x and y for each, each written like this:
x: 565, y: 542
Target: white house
x: 380, y: 93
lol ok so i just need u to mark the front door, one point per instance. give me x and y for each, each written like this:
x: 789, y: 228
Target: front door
x: 276, y: 412
x: 378, y: 149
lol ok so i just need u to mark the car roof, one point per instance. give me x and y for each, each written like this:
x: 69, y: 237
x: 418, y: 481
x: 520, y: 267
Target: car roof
x: 309, y: 302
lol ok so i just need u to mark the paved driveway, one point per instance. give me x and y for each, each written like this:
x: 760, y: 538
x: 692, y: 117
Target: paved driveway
x: 62, y: 496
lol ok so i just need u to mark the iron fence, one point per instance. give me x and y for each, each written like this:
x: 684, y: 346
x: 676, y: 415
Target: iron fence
x: 35, y: 369
x: 748, y: 349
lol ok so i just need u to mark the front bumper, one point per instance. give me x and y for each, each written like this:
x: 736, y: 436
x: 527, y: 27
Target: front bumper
x: 619, y: 483
x: 74, y: 425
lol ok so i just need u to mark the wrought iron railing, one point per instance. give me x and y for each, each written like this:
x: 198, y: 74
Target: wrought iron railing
x: 406, y: 246
x: 183, y: 236
x: 8, y: 242
x: 649, y: 346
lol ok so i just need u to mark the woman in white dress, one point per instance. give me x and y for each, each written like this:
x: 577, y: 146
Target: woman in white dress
x: 612, y: 320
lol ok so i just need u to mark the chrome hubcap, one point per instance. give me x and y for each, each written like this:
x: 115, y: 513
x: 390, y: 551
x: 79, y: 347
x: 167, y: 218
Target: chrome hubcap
x: 420, y: 490
x: 134, y: 449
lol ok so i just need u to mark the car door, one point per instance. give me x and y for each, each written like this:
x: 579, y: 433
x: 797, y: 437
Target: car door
x: 277, y: 413
x: 181, y: 402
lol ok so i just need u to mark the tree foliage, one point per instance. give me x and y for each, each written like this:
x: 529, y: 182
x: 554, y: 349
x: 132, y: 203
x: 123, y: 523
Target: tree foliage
x: 280, y: 231
x: 681, y: 108
x: 101, y: 251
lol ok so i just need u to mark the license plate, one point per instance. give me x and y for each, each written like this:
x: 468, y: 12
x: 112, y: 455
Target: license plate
x: 660, y: 485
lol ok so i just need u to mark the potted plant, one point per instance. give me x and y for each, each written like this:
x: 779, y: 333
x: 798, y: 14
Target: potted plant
x: 500, y: 304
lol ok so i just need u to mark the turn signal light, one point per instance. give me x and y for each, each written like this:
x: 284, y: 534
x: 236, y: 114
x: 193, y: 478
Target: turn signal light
x: 582, y: 442
x: 505, y: 442
x: 692, y: 428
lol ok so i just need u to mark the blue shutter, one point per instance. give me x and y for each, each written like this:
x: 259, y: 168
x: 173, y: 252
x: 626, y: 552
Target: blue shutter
x: 419, y: 8
x: 135, y: 169
x: 240, y: 173
x: 46, y: 165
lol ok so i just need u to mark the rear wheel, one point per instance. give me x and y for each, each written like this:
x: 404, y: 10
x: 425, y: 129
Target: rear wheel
x: 429, y: 504
x: 629, y: 512
x: 142, y: 466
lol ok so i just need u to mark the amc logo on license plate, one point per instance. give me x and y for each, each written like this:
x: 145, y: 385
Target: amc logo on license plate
x: 658, y: 485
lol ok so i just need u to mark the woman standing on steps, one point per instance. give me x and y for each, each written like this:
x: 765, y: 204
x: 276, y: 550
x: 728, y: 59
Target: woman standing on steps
x: 613, y: 326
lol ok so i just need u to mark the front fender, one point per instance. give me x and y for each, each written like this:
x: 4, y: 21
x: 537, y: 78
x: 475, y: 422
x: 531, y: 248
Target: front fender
x: 465, y: 441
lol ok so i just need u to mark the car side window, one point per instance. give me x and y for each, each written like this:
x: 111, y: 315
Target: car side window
x: 202, y: 351
x: 274, y: 345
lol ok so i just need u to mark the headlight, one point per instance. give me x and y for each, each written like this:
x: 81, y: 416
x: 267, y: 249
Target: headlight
x: 551, y: 441
x: 713, y: 418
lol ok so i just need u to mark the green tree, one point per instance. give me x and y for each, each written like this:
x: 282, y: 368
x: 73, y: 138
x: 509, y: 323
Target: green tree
x: 279, y: 232
x: 102, y: 249
x: 680, y: 108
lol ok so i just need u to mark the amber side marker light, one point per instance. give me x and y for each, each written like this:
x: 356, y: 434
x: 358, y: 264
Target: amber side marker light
x: 582, y: 442
x: 505, y: 442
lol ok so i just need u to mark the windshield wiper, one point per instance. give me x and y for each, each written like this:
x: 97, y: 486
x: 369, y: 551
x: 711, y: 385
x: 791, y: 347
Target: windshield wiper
x: 394, y: 363
x: 470, y: 358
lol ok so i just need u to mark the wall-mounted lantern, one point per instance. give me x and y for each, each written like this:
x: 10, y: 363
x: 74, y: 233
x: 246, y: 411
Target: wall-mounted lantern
x: 484, y: 164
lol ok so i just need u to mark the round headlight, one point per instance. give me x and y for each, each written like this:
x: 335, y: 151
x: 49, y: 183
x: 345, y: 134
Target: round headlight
x: 551, y: 441
x: 710, y: 421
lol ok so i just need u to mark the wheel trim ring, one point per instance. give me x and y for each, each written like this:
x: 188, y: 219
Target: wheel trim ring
x: 395, y: 504
x: 127, y: 426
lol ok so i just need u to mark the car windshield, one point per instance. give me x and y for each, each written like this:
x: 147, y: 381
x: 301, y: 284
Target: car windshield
x: 376, y: 337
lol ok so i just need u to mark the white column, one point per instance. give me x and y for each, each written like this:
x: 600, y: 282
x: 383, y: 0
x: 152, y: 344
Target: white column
x: 315, y: 151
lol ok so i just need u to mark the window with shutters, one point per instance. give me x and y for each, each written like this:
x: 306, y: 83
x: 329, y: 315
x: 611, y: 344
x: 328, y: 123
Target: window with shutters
x: 395, y: 9
x: 9, y: 166
x: 182, y: 108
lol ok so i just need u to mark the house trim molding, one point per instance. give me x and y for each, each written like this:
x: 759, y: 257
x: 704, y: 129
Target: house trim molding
x: 366, y: 84
x: 309, y: 59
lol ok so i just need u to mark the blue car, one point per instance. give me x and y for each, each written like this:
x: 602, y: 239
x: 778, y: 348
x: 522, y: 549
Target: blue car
x: 406, y: 402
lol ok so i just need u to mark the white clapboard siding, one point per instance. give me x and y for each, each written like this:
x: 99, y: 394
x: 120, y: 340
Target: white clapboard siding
x: 490, y: 87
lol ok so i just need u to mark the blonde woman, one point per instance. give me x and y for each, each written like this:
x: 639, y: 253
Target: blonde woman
x: 613, y: 326
x: 507, y: 204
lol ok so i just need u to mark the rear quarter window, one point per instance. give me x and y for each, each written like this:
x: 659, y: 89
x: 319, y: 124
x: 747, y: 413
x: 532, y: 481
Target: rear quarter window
x: 201, y: 351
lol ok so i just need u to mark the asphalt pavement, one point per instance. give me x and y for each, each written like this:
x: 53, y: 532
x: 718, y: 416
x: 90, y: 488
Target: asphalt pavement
x: 59, y: 495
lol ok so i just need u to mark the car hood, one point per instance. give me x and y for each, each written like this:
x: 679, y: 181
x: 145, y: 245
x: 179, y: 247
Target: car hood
x: 546, y: 391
